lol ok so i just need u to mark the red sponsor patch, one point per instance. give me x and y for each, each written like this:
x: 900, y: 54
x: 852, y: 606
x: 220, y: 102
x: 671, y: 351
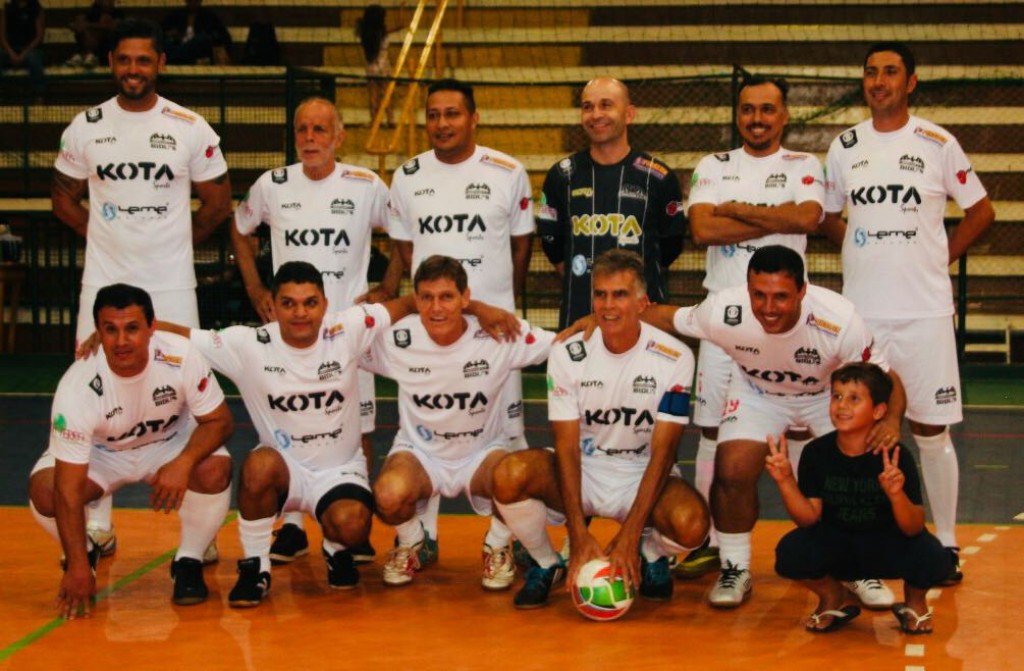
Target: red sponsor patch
x: 865, y: 356
x: 808, y: 180
x: 672, y: 208
x: 530, y: 339
x: 961, y: 176
x: 370, y: 322
x: 524, y: 203
x: 204, y: 383
x: 209, y: 151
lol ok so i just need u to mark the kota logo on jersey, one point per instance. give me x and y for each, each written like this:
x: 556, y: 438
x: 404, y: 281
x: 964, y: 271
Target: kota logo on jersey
x: 476, y: 369
x: 591, y: 384
x: 96, y: 384
x: 749, y: 349
x: 912, y: 163
x: 423, y: 192
x: 775, y: 181
x: 262, y: 336
x: 577, y: 350
x: 163, y: 141
x: 402, y: 337
x: 110, y: 139
x: 945, y: 395
x: 645, y: 384
x: 807, y: 355
x: 626, y: 230
x: 478, y: 192
x: 274, y: 370
x: 328, y: 369
x: 342, y: 206
x: 733, y: 315
x: 164, y: 395
x: 147, y: 170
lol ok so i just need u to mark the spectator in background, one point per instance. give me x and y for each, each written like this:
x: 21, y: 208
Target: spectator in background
x: 94, y: 30
x: 261, y: 45
x: 196, y: 36
x: 372, y: 32
x: 21, y: 39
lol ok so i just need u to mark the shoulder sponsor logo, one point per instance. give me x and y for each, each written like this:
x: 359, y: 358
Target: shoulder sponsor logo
x: 333, y: 331
x: 554, y: 390
x: 205, y: 382
x: 961, y: 175
x: 577, y: 350
x: 849, y: 138
x: 279, y: 175
x: 655, y: 347
x: 733, y: 315
x: 808, y: 356
x: 931, y: 136
x: 524, y: 202
x: 402, y: 337
x: 823, y: 325
x: 216, y: 340
x: 565, y: 165
x: 911, y: 163
x: 178, y: 114
x: 500, y: 162
x: 168, y: 359
x: 794, y: 157
x: 582, y: 192
x: 96, y: 384
x: 807, y: 180
x: 651, y: 167
x: 210, y: 151
x: 645, y: 384
x: 163, y: 141
x: 164, y: 395
x: 263, y: 336
x: 476, y: 369
x: 328, y: 369
x: 410, y: 167
x: 478, y: 192
x: 723, y: 157
x: 358, y: 174
x: 60, y: 427
x: 423, y: 192
x: 673, y: 207
x: 342, y: 206
x: 93, y: 115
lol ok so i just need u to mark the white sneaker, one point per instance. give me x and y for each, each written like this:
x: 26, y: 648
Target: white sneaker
x: 499, y: 568
x: 402, y: 564
x: 104, y: 539
x: 732, y: 588
x: 211, y: 555
x: 873, y: 593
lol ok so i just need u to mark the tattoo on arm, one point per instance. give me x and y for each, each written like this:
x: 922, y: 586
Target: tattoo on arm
x: 69, y: 187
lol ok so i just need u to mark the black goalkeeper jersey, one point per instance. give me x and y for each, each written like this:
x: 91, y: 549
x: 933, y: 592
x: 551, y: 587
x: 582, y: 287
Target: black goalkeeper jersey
x: 588, y: 208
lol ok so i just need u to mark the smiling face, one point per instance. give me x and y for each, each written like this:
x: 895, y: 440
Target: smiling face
x: 124, y: 336
x: 761, y: 117
x: 851, y: 408
x: 887, y: 86
x: 300, y: 308
x: 619, y: 298
x: 135, y: 64
x: 605, y: 111
x: 775, y: 300
x: 318, y: 135
x: 451, y: 127
x: 441, y: 304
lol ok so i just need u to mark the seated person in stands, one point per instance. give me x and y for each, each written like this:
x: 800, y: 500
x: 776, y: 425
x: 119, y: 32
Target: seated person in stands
x: 858, y: 513
x: 93, y: 32
x: 196, y: 36
x: 22, y: 26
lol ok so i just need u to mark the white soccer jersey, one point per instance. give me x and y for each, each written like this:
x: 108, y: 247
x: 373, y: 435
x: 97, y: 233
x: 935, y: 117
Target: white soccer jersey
x: 94, y: 407
x: 894, y: 186
x: 617, y: 397
x: 448, y: 396
x: 469, y: 211
x: 736, y: 176
x: 305, y: 402
x: 327, y: 222
x: 828, y: 334
x: 140, y: 167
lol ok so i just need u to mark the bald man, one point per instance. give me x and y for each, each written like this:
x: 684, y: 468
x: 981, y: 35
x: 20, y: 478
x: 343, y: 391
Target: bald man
x: 609, y: 196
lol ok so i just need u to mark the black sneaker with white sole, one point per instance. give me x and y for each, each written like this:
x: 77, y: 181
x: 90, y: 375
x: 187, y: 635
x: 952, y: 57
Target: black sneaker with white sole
x: 341, y: 570
x: 252, y: 586
x: 189, y: 586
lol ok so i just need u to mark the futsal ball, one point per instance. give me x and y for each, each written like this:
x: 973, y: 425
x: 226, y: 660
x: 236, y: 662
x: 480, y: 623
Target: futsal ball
x: 599, y: 596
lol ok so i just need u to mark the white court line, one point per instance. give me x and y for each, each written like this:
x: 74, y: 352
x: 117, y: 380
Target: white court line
x: 914, y: 650
x: 970, y: 550
x: 987, y: 538
x: 1003, y: 528
x: 913, y: 668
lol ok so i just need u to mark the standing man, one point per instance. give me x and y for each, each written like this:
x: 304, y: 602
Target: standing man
x: 618, y: 404
x: 893, y: 173
x: 785, y: 337
x: 609, y: 196
x: 760, y: 194
x: 474, y: 204
x: 136, y: 156
x: 146, y: 409
x: 321, y: 211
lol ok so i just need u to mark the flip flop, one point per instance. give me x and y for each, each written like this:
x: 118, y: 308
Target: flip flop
x: 840, y: 618
x: 907, y: 616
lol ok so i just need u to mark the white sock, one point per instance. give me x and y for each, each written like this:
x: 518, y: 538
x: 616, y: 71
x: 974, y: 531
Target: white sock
x: 427, y: 513
x: 330, y: 547
x: 294, y: 517
x: 201, y: 517
x: 49, y: 524
x: 99, y: 513
x: 410, y: 532
x: 256, y: 538
x: 796, y: 448
x: 654, y: 545
x: 498, y: 535
x: 734, y: 548
x: 528, y: 521
x: 703, y: 474
x: 941, y: 475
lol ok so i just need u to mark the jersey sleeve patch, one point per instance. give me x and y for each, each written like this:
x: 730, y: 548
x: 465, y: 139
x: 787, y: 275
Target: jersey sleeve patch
x: 93, y: 115
x: 663, y: 350
x: 577, y: 350
x: 500, y: 162
x: 178, y: 114
x: 169, y: 359
x: 279, y: 175
x: 675, y: 402
x: 358, y: 174
x: 848, y: 138
x: 402, y: 337
x: 932, y: 136
x: 651, y: 166
x: 411, y: 167
x: 823, y: 325
x: 96, y: 384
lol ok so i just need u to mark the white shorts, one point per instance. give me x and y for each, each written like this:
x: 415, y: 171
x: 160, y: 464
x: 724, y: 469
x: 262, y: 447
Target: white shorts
x: 307, y: 486
x: 111, y: 470
x: 923, y: 354
x: 367, y: 402
x: 451, y: 478
x: 178, y: 307
x: 714, y: 370
x: 753, y: 415
x: 512, y: 406
x: 609, y: 487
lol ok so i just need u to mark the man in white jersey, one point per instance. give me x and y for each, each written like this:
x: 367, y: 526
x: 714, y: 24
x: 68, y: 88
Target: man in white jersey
x: 618, y: 404
x: 786, y: 337
x: 894, y: 173
x: 146, y: 409
x: 136, y: 157
x: 474, y: 204
x: 321, y: 211
x: 451, y: 428
x: 760, y: 194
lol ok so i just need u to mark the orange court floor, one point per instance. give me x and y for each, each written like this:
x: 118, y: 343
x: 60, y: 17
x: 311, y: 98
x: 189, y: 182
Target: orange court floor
x: 444, y: 620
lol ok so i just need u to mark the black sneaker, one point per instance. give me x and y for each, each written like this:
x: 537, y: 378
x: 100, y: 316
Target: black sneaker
x: 341, y: 570
x: 252, y: 586
x: 290, y: 543
x: 189, y: 586
x: 363, y: 553
x: 655, y: 579
x: 956, y: 576
x: 539, y: 582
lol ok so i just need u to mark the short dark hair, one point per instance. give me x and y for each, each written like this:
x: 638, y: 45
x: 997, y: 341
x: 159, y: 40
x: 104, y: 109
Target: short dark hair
x: 879, y: 384
x: 439, y: 267
x: 127, y: 29
x: 454, y: 85
x: 904, y: 52
x: 297, y: 272
x: 621, y: 261
x: 778, y: 259
x: 119, y: 297
x: 757, y: 80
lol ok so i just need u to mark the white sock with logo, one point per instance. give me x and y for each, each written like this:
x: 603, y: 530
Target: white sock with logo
x: 941, y: 475
x: 734, y: 548
x: 256, y: 538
